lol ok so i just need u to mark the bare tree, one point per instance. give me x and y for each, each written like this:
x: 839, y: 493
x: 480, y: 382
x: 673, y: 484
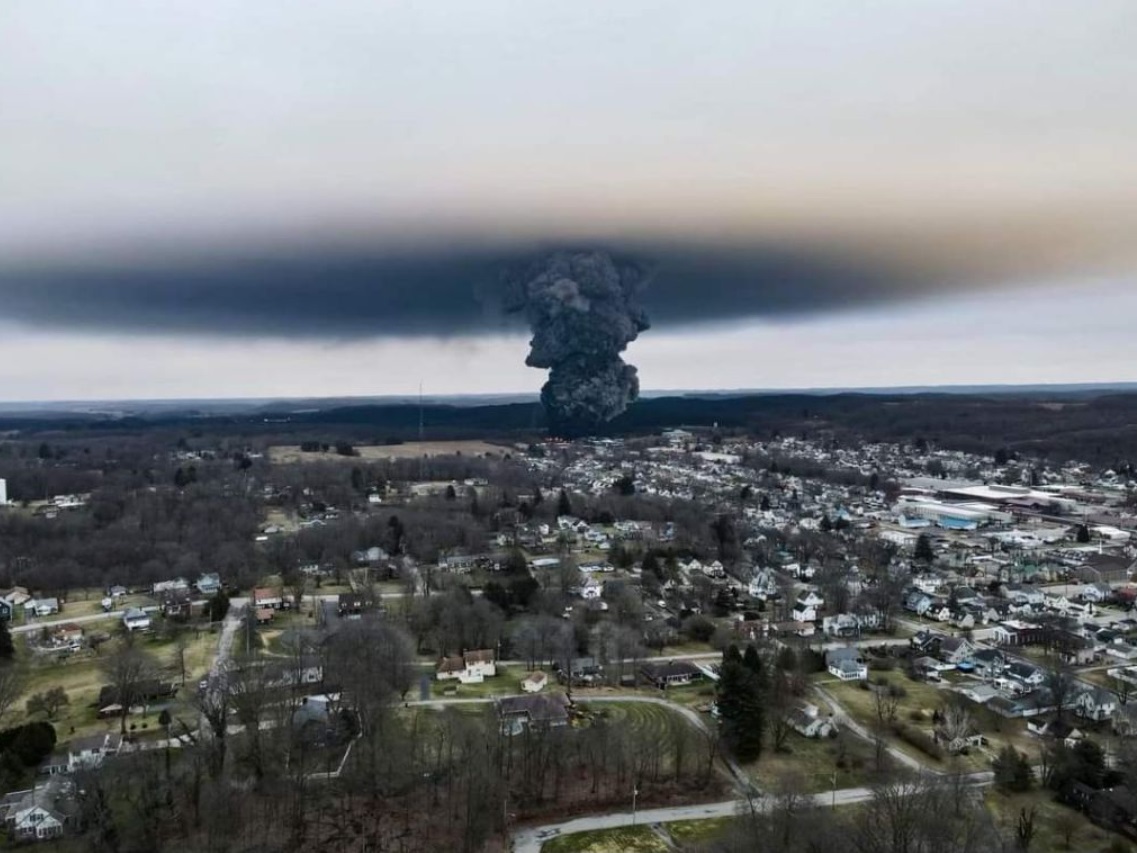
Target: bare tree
x: 128, y: 669
x: 12, y: 681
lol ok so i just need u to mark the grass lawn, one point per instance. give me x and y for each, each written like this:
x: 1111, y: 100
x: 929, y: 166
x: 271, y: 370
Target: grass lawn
x: 811, y: 763
x: 689, y: 833
x: 631, y: 839
x: 1052, y: 822
x: 507, y: 682
x: 81, y: 677
x: 914, y: 709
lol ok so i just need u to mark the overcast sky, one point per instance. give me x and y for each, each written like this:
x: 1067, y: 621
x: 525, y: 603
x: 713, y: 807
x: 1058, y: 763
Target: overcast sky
x: 242, y: 197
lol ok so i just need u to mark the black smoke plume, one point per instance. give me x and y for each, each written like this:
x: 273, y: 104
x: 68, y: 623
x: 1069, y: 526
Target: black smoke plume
x: 583, y: 309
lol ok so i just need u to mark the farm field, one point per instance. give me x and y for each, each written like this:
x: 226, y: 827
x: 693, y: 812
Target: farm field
x: 289, y: 454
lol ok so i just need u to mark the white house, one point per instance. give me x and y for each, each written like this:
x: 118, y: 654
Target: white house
x: 846, y: 664
x: 41, y: 606
x: 43, y: 813
x: 591, y: 589
x: 1096, y: 703
x: 473, y: 667
x: 805, y: 608
x: 808, y: 722
x: 534, y: 682
x: 135, y: 619
x: 89, y: 752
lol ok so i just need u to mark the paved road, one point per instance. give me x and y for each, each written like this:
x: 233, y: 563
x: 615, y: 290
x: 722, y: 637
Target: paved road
x: 530, y: 840
x: 40, y: 624
x: 842, y: 716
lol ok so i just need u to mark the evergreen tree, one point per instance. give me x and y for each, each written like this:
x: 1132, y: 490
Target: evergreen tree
x: 1083, y: 534
x: 7, y: 650
x: 924, y: 551
x: 1012, y: 770
x: 564, y: 505
x: 741, y: 703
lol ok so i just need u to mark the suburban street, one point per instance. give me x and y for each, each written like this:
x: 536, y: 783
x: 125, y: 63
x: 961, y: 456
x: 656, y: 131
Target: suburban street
x: 531, y: 839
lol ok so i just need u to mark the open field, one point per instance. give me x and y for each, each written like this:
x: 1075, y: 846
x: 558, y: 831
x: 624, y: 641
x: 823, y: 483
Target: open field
x: 288, y: 454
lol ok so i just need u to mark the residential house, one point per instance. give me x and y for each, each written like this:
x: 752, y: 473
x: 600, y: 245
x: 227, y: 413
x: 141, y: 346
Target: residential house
x: 1096, y: 703
x: 264, y: 615
x: 806, y: 607
x: 45, y: 812
x: 41, y: 606
x: 846, y: 664
x: 989, y: 663
x: 591, y: 589
x: 208, y: 584
x: 670, y: 673
x: 1024, y: 673
x: 534, y: 682
x: 808, y: 722
x: 175, y: 585
x: 354, y: 604
x: 956, y: 650
x: 471, y: 668
x: 583, y: 671
x: 264, y: 596
x: 87, y: 753
x: 135, y: 619
x: 1096, y: 593
x: 544, y: 710
x: 918, y: 602
x: 67, y: 636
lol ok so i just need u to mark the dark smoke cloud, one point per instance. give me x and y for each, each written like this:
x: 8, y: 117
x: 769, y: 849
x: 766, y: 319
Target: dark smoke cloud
x: 344, y: 295
x: 583, y: 308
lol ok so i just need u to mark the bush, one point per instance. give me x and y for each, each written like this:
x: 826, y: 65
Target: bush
x: 920, y: 740
x: 30, y: 743
x: 882, y: 664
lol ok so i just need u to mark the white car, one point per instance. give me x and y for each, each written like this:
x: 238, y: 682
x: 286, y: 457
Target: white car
x: 548, y: 833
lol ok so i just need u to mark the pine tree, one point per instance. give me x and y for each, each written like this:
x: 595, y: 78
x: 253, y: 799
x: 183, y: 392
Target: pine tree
x: 7, y: 650
x: 564, y: 505
x: 741, y: 703
x: 924, y: 551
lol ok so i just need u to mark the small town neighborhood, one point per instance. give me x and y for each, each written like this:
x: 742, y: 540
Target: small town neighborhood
x: 931, y: 605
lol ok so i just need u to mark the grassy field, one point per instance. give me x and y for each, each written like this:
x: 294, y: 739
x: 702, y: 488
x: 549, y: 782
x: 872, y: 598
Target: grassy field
x: 289, y: 454
x: 81, y: 677
x: 812, y: 763
x: 687, y: 833
x: 1052, y: 822
x: 915, y: 709
x: 632, y: 839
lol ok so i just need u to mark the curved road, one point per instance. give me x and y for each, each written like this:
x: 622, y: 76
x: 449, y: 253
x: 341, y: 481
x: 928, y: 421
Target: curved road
x: 842, y: 717
x: 531, y: 839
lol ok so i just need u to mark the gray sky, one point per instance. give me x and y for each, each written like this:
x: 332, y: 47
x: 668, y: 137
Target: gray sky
x: 892, y: 192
